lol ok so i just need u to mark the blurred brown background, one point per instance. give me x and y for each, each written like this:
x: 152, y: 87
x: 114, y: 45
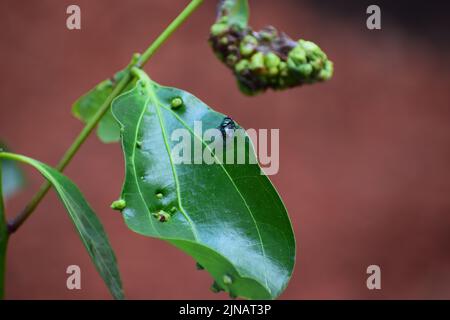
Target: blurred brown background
x: 364, y: 158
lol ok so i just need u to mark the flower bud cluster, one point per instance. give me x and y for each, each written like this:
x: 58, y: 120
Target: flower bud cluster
x: 268, y: 58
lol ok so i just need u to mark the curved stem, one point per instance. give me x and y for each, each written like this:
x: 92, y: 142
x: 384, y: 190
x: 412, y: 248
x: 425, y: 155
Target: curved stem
x: 90, y: 126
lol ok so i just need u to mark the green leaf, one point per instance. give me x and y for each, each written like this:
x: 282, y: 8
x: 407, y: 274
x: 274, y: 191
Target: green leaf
x: 236, y: 11
x: 86, y: 222
x: 86, y: 107
x: 12, y: 178
x: 229, y: 218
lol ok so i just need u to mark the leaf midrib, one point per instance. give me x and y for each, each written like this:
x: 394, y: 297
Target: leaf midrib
x: 234, y: 185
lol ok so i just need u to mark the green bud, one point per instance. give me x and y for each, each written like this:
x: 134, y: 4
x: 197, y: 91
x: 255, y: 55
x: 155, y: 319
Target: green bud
x: 118, y: 205
x: 309, y: 46
x: 297, y: 55
x: 271, y: 60
x: 257, y: 61
x: 248, y: 39
x: 246, y: 49
x: 232, y: 59
x: 268, y: 34
x: 223, y: 41
x: 317, y: 64
x: 223, y: 19
x: 176, y: 103
x: 312, y: 50
x: 218, y: 29
x: 283, y: 67
x: 273, y: 71
x: 159, y: 195
x: 305, y: 70
x: 327, y: 72
x: 241, y: 66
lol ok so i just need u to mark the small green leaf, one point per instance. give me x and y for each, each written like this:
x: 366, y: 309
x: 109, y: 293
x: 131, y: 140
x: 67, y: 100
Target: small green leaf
x: 86, y: 107
x: 228, y: 217
x: 12, y: 178
x: 86, y: 222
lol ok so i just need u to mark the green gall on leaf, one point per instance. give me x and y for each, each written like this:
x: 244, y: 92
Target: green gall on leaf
x: 162, y: 216
x: 227, y: 280
x: 176, y: 103
x: 118, y: 205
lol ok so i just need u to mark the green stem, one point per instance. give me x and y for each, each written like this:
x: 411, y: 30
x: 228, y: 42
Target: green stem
x: 182, y: 17
x: 90, y: 126
x: 3, y: 239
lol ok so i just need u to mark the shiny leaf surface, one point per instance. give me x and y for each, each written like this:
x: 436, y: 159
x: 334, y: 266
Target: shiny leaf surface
x: 228, y: 217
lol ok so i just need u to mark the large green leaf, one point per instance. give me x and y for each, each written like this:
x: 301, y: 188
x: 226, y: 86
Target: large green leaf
x: 86, y: 222
x: 12, y: 178
x: 229, y: 218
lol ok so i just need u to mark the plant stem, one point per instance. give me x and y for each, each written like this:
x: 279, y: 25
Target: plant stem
x: 90, y: 126
x: 182, y: 17
x: 3, y: 239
